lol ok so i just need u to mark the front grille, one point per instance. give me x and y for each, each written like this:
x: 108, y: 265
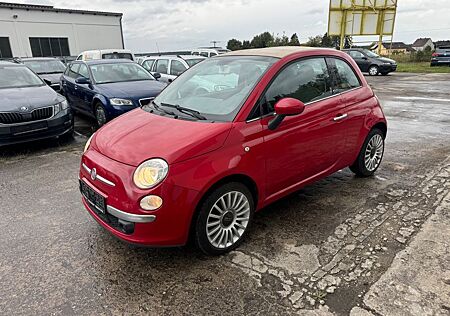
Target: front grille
x: 35, y: 115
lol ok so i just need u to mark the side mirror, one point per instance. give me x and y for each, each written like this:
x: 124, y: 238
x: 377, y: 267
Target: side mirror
x: 365, y: 58
x: 286, y: 107
x: 157, y: 75
x: 47, y: 82
x: 82, y: 80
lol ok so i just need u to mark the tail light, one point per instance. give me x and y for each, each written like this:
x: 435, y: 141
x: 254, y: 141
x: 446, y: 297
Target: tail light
x: 435, y: 55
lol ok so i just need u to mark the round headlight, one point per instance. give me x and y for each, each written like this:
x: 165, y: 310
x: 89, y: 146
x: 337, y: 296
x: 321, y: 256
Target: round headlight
x: 150, y: 173
x: 88, y: 143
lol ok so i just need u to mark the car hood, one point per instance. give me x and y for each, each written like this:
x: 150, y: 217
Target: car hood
x: 53, y: 78
x: 131, y: 89
x: 138, y: 136
x: 12, y: 99
x: 387, y: 60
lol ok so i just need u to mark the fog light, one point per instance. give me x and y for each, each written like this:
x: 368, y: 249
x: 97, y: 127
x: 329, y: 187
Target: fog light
x: 151, y: 203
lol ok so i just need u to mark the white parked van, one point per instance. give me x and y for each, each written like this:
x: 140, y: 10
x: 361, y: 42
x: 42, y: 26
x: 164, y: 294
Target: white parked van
x: 106, y: 54
x: 209, y: 52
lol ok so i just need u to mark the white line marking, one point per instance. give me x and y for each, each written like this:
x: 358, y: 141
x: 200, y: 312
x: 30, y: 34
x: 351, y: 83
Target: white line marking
x: 424, y: 99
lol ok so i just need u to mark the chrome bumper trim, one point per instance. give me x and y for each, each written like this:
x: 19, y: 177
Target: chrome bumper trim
x: 100, y: 178
x: 134, y: 218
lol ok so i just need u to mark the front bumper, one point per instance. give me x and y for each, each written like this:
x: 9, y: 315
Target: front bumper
x: 123, y: 217
x: 388, y: 68
x: 59, y: 125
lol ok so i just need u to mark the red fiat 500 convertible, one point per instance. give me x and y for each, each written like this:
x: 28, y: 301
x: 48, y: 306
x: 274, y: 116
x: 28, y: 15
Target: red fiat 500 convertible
x: 226, y: 138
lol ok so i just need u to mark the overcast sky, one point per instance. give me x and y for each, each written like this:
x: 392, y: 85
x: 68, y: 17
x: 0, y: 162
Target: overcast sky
x: 186, y: 24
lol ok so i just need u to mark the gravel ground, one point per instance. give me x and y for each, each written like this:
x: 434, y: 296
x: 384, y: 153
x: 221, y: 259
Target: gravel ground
x: 332, y: 248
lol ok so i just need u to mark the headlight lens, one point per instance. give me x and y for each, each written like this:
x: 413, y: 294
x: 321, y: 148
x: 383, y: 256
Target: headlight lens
x: 88, y: 143
x: 150, y: 173
x: 151, y: 203
x: 61, y: 106
x: 116, y: 101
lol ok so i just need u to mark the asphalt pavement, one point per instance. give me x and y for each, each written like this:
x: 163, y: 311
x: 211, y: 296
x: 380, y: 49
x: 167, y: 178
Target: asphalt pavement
x: 343, y: 245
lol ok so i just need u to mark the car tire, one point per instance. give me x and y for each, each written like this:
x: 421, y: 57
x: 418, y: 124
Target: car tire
x: 224, y: 219
x: 100, y: 115
x: 374, y: 70
x: 371, y: 154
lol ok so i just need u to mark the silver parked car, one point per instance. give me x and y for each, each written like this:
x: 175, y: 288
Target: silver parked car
x: 170, y: 67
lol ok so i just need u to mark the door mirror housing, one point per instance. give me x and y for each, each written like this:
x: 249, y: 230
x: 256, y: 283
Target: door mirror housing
x: 157, y: 75
x: 286, y: 107
x: 82, y: 80
x: 365, y: 58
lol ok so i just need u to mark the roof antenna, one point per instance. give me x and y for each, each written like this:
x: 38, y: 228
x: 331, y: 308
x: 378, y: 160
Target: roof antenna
x: 214, y: 43
x: 157, y: 47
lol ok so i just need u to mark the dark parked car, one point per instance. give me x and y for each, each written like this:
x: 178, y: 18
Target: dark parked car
x: 372, y: 63
x: 49, y: 69
x: 107, y: 88
x: 29, y: 108
x: 441, y: 57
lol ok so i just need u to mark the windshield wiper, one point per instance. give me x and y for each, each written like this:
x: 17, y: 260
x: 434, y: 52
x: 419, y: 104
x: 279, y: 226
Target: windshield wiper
x: 162, y: 110
x: 184, y: 110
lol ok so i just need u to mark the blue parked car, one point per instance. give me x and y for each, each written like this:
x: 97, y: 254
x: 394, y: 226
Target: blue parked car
x: 105, y: 89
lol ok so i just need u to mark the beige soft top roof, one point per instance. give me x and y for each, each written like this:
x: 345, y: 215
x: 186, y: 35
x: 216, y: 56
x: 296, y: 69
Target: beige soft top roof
x: 278, y: 52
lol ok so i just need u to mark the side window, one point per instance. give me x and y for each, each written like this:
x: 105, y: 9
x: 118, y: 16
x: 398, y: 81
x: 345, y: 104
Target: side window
x: 204, y: 54
x: 356, y: 54
x: 162, y: 66
x: 177, y: 68
x: 345, y: 77
x: 148, y: 64
x: 83, y: 71
x: 73, y: 72
x: 305, y: 80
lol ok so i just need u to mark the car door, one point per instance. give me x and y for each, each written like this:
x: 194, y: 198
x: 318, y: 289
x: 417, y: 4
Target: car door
x: 84, y: 92
x: 68, y: 84
x: 176, y: 69
x: 355, y: 98
x: 162, y: 67
x: 361, y: 60
x: 303, y: 146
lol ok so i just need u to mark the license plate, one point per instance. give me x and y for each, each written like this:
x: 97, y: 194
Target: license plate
x: 95, y: 199
x: 28, y: 128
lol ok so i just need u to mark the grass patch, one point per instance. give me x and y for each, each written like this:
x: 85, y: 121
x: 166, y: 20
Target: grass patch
x: 422, y: 67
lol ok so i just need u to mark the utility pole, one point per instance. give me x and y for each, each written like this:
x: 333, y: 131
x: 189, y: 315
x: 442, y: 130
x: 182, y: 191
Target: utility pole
x: 214, y: 43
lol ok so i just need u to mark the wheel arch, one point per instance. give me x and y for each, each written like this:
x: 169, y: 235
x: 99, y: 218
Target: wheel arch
x: 381, y: 126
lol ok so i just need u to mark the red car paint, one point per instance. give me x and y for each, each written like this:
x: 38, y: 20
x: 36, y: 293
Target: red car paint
x: 303, y: 149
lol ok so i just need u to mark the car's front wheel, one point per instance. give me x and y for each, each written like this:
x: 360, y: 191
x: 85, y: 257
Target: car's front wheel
x: 224, y: 218
x: 374, y: 70
x: 100, y: 115
x: 371, y: 154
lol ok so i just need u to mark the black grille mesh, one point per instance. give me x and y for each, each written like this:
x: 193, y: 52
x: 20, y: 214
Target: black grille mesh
x: 35, y: 115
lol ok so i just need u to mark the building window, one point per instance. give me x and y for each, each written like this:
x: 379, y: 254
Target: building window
x: 49, y: 46
x: 5, y: 48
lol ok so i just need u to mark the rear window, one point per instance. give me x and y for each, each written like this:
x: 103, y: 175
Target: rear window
x: 117, y: 56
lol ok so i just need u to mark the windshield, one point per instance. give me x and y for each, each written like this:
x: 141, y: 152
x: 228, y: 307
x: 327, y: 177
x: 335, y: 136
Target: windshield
x: 117, y: 56
x: 217, y: 87
x: 371, y: 54
x: 109, y: 73
x: 18, y: 77
x: 45, y: 66
x: 192, y: 62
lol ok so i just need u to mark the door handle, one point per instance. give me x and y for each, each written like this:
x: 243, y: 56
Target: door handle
x: 340, y: 117
x: 76, y: 87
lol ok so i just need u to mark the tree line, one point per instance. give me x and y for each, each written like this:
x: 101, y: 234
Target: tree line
x: 267, y: 39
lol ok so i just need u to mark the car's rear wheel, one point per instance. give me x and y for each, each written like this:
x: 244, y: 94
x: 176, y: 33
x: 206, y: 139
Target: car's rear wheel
x: 374, y: 70
x: 100, y: 115
x: 371, y: 154
x: 224, y: 218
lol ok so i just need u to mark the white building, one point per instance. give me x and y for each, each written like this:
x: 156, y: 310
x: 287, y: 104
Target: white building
x: 40, y: 31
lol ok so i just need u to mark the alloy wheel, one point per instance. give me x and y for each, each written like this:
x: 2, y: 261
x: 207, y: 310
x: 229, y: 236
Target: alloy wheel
x: 100, y: 115
x: 373, y: 71
x: 228, y: 219
x: 374, y: 152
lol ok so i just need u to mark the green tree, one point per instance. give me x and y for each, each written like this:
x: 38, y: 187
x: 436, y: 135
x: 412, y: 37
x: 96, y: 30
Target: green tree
x: 280, y: 40
x: 294, y: 41
x: 314, y: 41
x: 246, y: 45
x: 234, y: 44
x: 262, y: 40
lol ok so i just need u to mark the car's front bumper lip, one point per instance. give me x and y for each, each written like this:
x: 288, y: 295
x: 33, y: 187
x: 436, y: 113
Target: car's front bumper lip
x: 133, y: 218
